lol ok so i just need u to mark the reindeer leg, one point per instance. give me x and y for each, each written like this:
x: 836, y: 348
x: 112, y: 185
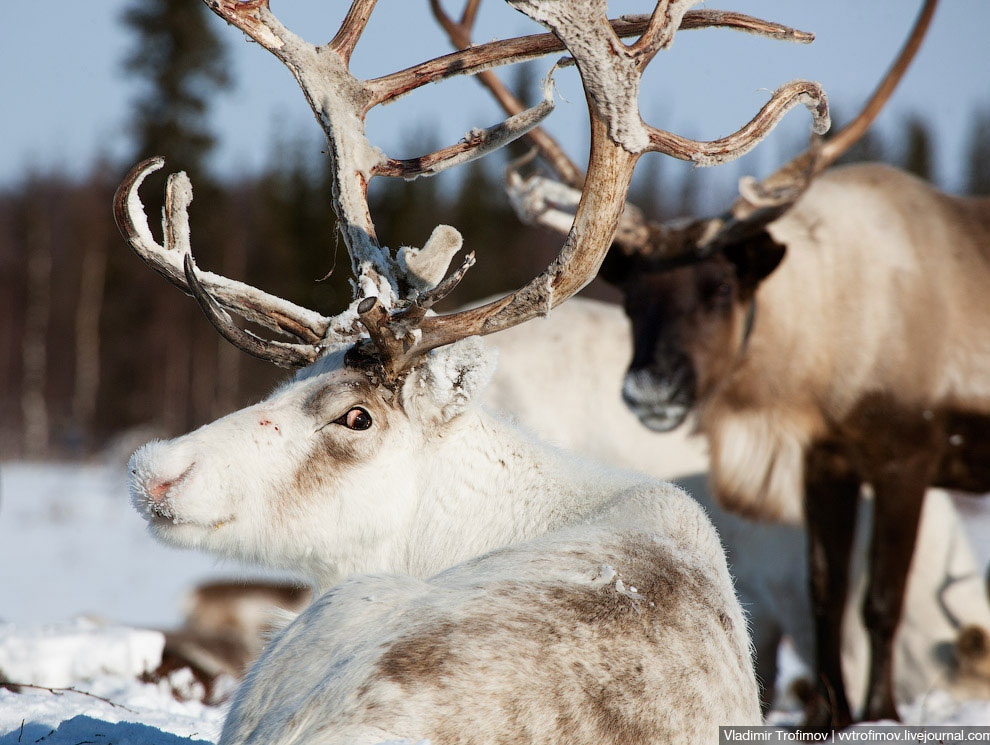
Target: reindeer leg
x: 899, y: 494
x: 766, y: 645
x: 831, y: 495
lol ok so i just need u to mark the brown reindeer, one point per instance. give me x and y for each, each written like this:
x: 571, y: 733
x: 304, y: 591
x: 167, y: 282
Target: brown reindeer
x: 831, y: 329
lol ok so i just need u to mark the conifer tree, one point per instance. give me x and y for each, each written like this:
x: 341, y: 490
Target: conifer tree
x: 868, y: 148
x: 918, y: 149
x: 181, y: 62
x: 978, y: 155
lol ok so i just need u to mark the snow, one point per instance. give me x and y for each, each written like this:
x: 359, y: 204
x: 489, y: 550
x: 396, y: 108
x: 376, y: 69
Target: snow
x: 132, y: 713
x: 70, y: 543
x: 71, y: 546
x: 92, y: 673
x: 60, y: 654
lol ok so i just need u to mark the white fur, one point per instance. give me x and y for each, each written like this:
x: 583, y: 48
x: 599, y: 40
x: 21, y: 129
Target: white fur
x: 568, y: 638
x: 556, y: 394
x: 544, y: 382
x: 432, y: 483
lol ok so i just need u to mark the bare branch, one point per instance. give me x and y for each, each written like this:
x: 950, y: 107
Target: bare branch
x: 352, y: 28
x: 12, y: 686
x: 746, y: 138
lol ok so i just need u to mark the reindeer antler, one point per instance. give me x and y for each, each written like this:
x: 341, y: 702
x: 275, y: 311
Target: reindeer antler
x: 541, y: 201
x: 390, y: 304
x: 783, y: 187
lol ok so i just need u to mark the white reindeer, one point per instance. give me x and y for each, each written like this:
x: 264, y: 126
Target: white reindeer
x: 375, y: 458
x: 603, y: 632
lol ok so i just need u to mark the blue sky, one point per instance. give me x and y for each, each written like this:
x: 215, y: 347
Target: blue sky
x: 66, y: 98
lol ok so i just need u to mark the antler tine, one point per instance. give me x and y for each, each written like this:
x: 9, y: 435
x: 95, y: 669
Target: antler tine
x: 611, y: 75
x: 475, y: 144
x: 341, y: 103
x: 541, y: 201
x: 246, y: 301
x: 460, y: 36
x: 475, y: 58
x: 844, y: 139
x: 281, y: 353
x: 659, y: 32
x: 790, y: 181
x: 352, y: 28
x: 338, y: 99
x: 610, y: 72
x: 745, y: 139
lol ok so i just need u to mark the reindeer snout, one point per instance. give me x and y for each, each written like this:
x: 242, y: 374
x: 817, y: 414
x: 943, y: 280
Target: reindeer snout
x: 660, y: 404
x: 157, y: 489
x: 156, y: 475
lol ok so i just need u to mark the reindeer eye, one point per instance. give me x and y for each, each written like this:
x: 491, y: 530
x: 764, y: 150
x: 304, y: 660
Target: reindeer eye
x: 356, y: 418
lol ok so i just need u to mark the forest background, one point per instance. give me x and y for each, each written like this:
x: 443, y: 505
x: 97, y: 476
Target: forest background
x: 97, y: 351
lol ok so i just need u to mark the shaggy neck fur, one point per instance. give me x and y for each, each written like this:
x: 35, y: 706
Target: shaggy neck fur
x: 492, y: 484
x: 877, y: 283
x: 481, y: 483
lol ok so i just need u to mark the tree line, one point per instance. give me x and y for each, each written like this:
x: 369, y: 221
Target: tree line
x: 96, y: 345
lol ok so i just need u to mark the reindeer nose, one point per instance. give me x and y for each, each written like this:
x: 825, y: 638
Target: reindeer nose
x: 157, y: 489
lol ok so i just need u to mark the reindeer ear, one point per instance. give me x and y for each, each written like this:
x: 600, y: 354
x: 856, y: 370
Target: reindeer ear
x: 449, y: 380
x: 754, y: 258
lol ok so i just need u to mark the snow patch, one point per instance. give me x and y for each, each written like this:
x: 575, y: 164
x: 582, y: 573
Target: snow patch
x: 60, y: 654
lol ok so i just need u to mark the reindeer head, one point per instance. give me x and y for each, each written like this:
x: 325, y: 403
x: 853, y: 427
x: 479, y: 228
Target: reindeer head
x: 690, y: 287
x: 690, y: 323
x: 330, y: 459
x: 334, y: 458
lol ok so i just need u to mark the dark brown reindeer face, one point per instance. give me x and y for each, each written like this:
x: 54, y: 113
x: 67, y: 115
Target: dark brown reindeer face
x: 690, y: 324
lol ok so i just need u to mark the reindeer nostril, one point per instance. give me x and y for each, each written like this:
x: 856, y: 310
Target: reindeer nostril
x: 158, y: 489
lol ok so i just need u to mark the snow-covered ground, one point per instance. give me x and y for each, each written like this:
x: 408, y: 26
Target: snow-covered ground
x: 103, y: 665
x: 71, y: 545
